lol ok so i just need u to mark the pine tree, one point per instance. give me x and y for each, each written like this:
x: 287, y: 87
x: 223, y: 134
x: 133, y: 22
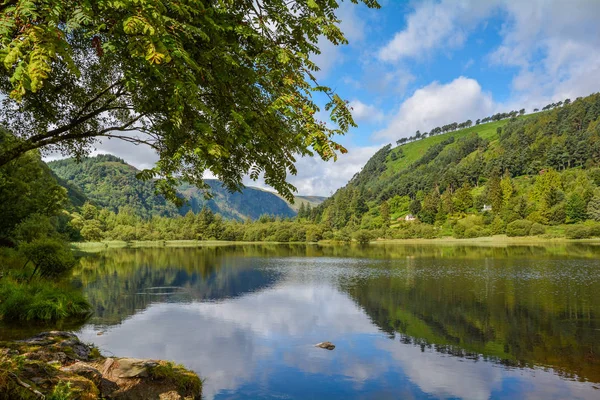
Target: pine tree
x: 384, y: 210
x: 494, y: 193
x: 302, y: 211
x: 593, y: 208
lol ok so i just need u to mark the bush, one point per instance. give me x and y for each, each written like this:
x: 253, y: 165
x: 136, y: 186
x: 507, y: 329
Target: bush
x: 50, y: 257
x: 476, y: 231
x: 40, y: 301
x: 519, y: 227
x: 578, y: 232
x: 498, y: 226
x: 342, y: 236
x: 537, y: 229
x: 470, y: 227
x: 363, y: 236
x: 594, y: 228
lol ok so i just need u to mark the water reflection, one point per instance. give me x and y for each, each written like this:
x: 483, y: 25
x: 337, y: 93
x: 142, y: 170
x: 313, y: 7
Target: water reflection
x: 407, y: 321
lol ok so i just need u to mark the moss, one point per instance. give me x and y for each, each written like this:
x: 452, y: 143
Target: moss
x: 185, y: 380
x: 62, y: 391
x: 80, y: 388
x: 94, y: 352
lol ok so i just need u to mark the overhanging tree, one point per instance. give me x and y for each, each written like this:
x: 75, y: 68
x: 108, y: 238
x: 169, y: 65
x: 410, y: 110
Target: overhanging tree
x: 219, y: 85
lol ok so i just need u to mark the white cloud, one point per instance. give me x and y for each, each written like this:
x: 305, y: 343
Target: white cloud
x: 434, y: 26
x: 320, y: 178
x: 555, y: 46
x: 553, y: 43
x: 438, y: 104
x: 365, y: 112
x: 317, y: 177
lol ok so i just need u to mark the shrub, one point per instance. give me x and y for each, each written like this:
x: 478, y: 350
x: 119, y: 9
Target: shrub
x: 473, y: 232
x: 50, y: 257
x: 537, y: 216
x: 578, y: 232
x: 314, y: 234
x: 537, y: 229
x: 498, y: 226
x: 557, y: 214
x: 342, y: 236
x: 363, y: 236
x: 594, y: 228
x: 519, y: 227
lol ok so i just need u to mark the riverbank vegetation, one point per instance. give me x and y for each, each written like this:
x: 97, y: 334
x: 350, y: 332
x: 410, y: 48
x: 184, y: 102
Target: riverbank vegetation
x: 35, y: 256
x: 530, y: 176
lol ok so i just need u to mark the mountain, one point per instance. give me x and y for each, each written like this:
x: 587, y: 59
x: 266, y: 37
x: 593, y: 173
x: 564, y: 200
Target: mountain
x: 541, y: 168
x: 313, y: 201
x: 108, y: 181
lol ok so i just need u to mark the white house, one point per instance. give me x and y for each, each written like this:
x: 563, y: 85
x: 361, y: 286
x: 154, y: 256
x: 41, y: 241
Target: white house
x: 486, y: 207
x: 410, y: 217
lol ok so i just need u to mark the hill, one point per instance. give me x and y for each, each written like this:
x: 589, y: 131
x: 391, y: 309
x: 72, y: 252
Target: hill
x: 541, y: 168
x: 109, y: 182
x: 313, y: 201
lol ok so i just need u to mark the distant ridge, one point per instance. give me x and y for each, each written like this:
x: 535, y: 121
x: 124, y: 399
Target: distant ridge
x: 109, y: 182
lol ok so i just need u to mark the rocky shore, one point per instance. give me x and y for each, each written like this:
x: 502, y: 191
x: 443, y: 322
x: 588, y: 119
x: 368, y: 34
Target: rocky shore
x: 58, y: 366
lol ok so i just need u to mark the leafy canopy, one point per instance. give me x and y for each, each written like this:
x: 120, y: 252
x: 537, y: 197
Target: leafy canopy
x: 219, y: 85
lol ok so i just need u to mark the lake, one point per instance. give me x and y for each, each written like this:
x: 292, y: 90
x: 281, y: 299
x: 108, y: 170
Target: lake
x: 408, y: 321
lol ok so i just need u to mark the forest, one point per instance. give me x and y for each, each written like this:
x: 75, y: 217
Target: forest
x: 527, y: 175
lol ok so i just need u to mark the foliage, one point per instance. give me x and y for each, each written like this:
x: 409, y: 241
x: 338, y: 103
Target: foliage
x: 222, y: 86
x: 30, y: 213
x: 537, y: 229
x: 363, y: 236
x: 27, y: 187
x: 578, y: 232
x: 62, y: 391
x: 541, y: 167
x: 40, y: 301
x: 51, y: 257
x: 519, y: 227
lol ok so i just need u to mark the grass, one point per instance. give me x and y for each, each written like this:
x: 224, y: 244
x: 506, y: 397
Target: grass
x: 62, y: 391
x: 90, y: 247
x: 40, y: 301
x: 411, y: 152
x: 185, y: 380
x: 496, y: 240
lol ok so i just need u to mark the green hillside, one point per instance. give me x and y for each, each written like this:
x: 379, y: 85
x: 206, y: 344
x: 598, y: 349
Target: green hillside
x: 535, y: 174
x: 411, y: 152
x: 109, y: 182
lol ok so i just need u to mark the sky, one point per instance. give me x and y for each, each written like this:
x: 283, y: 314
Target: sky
x: 415, y: 65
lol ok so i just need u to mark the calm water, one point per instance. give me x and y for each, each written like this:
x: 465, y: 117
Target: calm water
x: 407, y: 321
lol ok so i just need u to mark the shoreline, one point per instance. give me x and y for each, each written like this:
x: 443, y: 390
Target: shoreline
x: 492, y: 241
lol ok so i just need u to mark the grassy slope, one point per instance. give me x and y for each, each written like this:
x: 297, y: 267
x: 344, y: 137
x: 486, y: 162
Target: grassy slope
x: 411, y: 152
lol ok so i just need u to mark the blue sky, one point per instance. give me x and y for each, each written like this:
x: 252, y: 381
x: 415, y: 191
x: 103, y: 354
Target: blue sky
x: 420, y: 64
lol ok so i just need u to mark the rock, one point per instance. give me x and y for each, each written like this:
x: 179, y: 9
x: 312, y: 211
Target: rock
x: 76, y: 349
x: 133, y: 368
x: 325, y: 345
x: 48, y: 359
x: 60, y: 357
x: 85, y: 370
